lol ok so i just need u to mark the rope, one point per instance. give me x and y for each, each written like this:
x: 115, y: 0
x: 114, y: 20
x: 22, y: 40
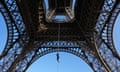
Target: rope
x: 57, y: 67
x: 58, y: 36
x: 58, y: 43
x: 57, y: 55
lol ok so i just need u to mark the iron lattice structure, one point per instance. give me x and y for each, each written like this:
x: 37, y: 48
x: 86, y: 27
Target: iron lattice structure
x: 89, y: 36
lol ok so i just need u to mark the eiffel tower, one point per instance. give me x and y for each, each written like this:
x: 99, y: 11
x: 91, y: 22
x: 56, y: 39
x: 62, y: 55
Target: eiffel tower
x: 35, y: 29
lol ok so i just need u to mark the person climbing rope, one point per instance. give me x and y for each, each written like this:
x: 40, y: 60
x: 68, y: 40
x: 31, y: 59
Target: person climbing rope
x: 58, y: 57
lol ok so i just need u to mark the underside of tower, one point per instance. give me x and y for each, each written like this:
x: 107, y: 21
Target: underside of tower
x: 80, y: 27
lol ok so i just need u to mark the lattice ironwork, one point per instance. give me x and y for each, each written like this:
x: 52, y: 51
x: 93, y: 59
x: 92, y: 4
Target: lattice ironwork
x: 89, y: 37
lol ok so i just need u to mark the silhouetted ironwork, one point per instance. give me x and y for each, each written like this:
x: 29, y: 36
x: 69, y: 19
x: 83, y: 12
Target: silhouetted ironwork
x: 89, y: 35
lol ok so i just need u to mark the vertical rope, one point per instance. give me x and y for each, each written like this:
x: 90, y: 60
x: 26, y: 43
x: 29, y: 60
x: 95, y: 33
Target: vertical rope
x: 58, y: 47
x: 58, y: 36
x: 57, y: 67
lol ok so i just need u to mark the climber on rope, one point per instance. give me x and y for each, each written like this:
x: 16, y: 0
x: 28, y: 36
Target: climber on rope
x: 58, y: 57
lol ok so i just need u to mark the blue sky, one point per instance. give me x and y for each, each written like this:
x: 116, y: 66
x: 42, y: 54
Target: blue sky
x: 3, y: 33
x: 116, y: 34
x: 68, y: 62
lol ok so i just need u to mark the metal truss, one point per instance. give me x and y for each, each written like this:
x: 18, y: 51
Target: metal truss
x: 21, y: 51
x: 104, y: 36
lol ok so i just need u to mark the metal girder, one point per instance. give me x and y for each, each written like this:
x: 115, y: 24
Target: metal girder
x: 105, y: 35
x: 12, y: 30
x: 97, y: 50
x: 31, y: 56
x: 15, y: 29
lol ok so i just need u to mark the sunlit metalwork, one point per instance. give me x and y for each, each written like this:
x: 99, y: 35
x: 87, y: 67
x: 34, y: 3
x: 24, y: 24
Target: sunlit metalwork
x: 54, y: 8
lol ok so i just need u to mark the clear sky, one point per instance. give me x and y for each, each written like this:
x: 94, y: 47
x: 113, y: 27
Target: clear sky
x: 3, y: 33
x: 68, y: 62
x: 116, y: 34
